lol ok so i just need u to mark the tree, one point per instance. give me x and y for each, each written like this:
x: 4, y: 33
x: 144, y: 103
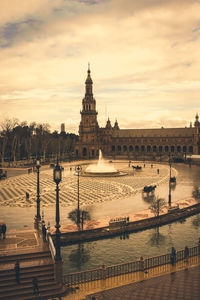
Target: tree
x: 157, y: 206
x: 196, y: 193
x: 84, y: 216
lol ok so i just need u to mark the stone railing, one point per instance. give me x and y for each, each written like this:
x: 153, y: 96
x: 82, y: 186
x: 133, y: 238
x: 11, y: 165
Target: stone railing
x: 51, y: 244
x: 104, y: 272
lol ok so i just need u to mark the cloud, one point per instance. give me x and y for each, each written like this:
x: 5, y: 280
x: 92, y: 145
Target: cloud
x: 144, y: 59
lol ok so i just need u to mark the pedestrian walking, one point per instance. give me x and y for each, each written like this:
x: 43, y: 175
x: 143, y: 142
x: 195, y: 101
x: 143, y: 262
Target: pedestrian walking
x: 186, y: 253
x: 173, y: 256
x: 3, y: 230
x: 17, y: 271
x: 27, y: 196
x: 35, y: 286
x: 158, y: 171
x: 44, y: 232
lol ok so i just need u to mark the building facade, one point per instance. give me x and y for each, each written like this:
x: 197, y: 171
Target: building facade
x: 131, y: 143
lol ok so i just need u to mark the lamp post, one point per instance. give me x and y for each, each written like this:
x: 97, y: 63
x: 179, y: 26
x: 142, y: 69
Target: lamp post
x: 57, y: 177
x: 78, y: 170
x: 170, y: 166
x: 38, y: 217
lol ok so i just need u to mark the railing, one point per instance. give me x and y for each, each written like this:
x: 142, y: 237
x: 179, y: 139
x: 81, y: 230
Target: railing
x: 51, y: 244
x: 104, y: 272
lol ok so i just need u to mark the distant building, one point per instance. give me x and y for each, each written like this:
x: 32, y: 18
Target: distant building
x: 131, y: 143
x: 62, y: 127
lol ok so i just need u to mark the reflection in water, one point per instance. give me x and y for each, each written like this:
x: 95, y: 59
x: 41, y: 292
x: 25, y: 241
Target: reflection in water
x: 79, y: 256
x: 173, y: 186
x: 148, y: 198
x: 196, y: 221
x: 157, y: 238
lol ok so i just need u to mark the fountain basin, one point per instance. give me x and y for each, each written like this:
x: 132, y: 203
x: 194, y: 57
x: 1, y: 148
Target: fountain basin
x: 101, y: 169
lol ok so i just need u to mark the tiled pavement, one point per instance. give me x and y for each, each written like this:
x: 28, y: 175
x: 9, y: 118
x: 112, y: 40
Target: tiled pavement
x: 95, y: 190
x: 181, y: 285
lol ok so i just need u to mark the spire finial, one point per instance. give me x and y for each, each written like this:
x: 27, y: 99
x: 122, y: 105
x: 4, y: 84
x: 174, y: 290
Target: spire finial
x: 88, y: 67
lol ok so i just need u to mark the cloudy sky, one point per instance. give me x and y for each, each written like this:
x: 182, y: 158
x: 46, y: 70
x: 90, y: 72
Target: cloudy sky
x: 144, y: 57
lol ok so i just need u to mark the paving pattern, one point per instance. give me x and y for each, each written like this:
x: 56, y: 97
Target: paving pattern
x: 92, y: 189
x: 181, y: 285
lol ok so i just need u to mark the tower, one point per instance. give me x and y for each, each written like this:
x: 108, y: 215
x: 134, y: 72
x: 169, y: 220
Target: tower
x: 197, y: 135
x: 88, y: 128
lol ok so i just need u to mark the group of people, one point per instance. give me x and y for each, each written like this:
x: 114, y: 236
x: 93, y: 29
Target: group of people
x: 34, y: 281
x: 3, y: 231
x: 173, y: 255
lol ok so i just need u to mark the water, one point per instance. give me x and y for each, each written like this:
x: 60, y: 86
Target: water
x: 148, y: 243
x: 101, y: 167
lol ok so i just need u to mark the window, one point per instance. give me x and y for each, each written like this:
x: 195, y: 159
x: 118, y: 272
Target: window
x: 125, y: 148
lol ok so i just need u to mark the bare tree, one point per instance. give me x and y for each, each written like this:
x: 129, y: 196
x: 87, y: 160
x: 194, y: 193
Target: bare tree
x: 157, y: 206
x: 84, y: 216
x: 196, y: 193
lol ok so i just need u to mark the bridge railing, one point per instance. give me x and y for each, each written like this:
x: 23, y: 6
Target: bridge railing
x: 104, y: 272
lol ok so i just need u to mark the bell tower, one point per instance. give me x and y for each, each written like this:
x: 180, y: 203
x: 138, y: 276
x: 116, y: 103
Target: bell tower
x: 88, y: 128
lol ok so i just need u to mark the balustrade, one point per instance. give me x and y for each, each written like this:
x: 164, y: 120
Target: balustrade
x: 140, y: 265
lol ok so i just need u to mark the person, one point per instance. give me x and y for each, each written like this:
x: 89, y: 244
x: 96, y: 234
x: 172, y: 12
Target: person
x: 44, y: 232
x: 35, y: 286
x: 186, y: 253
x: 158, y: 171
x: 173, y: 256
x: 17, y: 271
x: 27, y: 196
x: 3, y: 230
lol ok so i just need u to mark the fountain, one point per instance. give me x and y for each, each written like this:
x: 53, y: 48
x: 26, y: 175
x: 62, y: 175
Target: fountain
x: 102, y: 168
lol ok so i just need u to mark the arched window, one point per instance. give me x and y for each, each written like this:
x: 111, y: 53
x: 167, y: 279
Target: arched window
x: 172, y: 148
x: 125, y: 148
x: 84, y: 152
x: 160, y: 148
x: 166, y: 148
x: 154, y: 149
x: 89, y: 107
x: 136, y: 148
x: 113, y: 148
x: 119, y: 148
x: 191, y: 149
x: 76, y: 153
x: 86, y: 107
x: 131, y: 148
x: 142, y: 148
x: 184, y: 149
x: 148, y: 148
x: 92, y: 152
x: 179, y: 149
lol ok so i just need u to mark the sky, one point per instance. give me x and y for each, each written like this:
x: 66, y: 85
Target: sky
x: 144, y: 60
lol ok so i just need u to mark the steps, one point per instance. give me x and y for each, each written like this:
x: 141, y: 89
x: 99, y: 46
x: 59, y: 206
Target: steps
x: 35, y: 264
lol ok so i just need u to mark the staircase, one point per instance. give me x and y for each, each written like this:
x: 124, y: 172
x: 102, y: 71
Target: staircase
x: 38, y: 264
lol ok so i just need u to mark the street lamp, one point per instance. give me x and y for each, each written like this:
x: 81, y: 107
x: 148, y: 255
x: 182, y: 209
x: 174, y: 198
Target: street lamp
x: 170, y: 166
x: 78, y: 170
x: 57, y: 177
x: 38, y: 217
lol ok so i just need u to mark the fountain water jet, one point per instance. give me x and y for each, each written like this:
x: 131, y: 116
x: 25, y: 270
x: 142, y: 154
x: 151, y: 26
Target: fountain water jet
x: 102, y: 168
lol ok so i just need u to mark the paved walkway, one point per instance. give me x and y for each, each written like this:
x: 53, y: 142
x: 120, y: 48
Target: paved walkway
x: 184, y: 275
x: 182, y: 285
x: 21, y: 241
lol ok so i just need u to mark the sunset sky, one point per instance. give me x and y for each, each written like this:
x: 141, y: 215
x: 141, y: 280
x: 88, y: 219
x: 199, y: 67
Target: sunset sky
x: 144, y: 57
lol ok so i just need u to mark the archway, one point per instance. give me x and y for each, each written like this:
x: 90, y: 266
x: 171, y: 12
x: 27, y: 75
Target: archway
x: 84, y: 152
